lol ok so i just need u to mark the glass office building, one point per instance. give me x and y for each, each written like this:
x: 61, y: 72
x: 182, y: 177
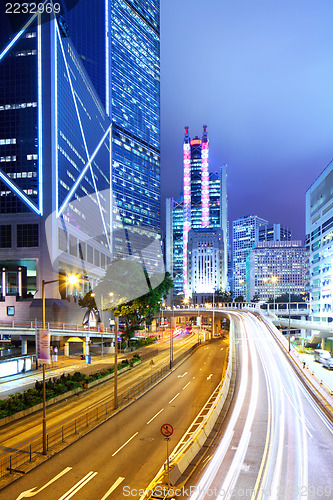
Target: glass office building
x: 319, y: 242
x: 79, y: 144
x: 123, y: 65
x: 244, y: 234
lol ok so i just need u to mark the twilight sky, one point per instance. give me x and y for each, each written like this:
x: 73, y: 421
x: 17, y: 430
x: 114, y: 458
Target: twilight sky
x: 259, y: 73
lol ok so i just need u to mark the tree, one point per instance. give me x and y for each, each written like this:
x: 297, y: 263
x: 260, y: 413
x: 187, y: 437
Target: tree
x: 143, y: 308
x: 223, y: 296
x: 240, y: 298
x: 88, y: 301
x: 285, y: 298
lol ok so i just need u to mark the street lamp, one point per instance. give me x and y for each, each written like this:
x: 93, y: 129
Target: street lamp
x: 198, y: 324
x: 242, y: 282
x: 72, y: 279
x: 289, y: 321
x: 274, y: 280
x: 213, y: 314
x: 171, y: 335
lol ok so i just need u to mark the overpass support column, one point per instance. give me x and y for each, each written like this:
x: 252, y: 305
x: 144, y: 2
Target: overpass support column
x: 66, y: 349
x: 303, y: 330
x: 24, y: 345
x: 323, y: 343
x: 86, y: 346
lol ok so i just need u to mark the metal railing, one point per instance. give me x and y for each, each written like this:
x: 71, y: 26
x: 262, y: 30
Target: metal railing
x: 78, y: 426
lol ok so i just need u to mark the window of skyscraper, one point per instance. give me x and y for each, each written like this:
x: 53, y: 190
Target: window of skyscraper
x: 27, y: 235
x: 5, y: 236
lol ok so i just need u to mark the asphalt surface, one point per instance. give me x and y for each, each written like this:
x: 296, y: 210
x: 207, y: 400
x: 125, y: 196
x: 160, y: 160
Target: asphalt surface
x: 125, y: 452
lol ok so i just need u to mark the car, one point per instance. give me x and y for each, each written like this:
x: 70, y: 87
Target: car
x: 328, y: 362
x: 322, y: 356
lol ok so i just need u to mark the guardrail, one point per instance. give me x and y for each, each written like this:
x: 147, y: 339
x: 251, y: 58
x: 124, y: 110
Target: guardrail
x: 77, y: 427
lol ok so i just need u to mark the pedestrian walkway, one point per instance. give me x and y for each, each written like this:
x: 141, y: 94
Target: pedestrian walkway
x: 317, y: 377
x: 21, y: 382
x: 322, y: 374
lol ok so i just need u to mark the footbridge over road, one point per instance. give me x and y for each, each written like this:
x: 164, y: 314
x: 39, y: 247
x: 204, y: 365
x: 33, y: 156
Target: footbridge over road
x: 282, y: 316
x: 319, y: 331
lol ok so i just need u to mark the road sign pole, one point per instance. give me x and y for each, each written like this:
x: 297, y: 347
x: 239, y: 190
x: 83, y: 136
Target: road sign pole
x: 168, y: 465
x: 166, y: 431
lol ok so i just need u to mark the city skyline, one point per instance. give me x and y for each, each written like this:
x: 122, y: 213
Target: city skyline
x: 258, y: 76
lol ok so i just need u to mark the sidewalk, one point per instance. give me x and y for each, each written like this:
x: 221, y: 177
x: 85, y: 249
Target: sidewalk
x: 316, y: 376
x: 21, y: 382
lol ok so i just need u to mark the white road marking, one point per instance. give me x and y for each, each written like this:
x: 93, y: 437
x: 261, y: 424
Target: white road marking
x: 113, y: 487
x: 78, y: 486
x: 186, y: 385
x: 115, y: 453
x: 154, y: 416
x: 181, y: 376
x: 174, y: 398
x: 30, y: 493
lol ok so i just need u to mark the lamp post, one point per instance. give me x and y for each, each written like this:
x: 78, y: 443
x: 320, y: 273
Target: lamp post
x: 242, y: 282
x: 71, y: 279
x: 289, y: 321
x: 115, y: 397
x: 213, y: 314
x: 198, y: 324
x: 171, y: 336
x: 274, y: 280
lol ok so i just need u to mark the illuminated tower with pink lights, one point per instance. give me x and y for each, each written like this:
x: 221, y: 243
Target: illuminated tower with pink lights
x: 201, y: 209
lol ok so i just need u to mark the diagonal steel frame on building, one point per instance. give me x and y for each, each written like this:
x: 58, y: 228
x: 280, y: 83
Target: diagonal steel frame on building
x: 12, y: 185
x: 89, y: 157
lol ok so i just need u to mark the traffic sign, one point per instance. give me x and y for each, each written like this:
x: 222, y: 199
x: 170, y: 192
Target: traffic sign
x: 166, y: 430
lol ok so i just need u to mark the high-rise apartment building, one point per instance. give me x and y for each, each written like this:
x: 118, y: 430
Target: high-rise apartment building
x: 244, y: 233
x: 319, y: 242
x: 275, y: 268
x: 79, y: 144
x: 203, y: 206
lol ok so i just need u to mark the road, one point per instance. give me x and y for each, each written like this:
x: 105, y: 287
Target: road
x: 18, y: 432
x: 275, y: 442
x: 124, y: 453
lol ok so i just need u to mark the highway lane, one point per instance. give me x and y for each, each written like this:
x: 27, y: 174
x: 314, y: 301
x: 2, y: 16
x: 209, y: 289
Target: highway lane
x: 275, y: 442
x: 18, y: 432
x: 125, y: 453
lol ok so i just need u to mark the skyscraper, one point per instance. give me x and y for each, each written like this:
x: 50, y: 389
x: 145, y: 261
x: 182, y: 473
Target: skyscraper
x: 285, y: 260
x: 244, y: 231
x: 123, y: 64
x: 79, y: 143
x: 201, y: 209
x: 273, y: 232
x: 319, y: 242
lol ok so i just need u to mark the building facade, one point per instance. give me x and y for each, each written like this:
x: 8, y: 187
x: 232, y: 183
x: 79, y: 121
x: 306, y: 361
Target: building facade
x: 244, y: 234
x: 273, y: 232
x: 319, y: 242
x: 203, y: 206
x: 206, y: 269
x: 79, y: 145
x: 275, y: 268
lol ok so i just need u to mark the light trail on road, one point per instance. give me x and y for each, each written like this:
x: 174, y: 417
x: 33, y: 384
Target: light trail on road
x: 272, y: 443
